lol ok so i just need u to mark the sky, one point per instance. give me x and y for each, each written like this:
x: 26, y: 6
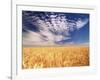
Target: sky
x: 54, y: 28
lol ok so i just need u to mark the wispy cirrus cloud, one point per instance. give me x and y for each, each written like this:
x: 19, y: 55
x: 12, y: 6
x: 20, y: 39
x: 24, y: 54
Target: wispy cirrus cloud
x: 81, y: 23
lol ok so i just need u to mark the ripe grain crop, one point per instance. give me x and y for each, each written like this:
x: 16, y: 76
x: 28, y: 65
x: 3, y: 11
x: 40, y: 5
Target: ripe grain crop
x: 49, y: 57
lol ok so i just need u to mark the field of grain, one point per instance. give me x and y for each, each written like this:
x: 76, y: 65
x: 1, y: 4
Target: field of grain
x: 46, y: 57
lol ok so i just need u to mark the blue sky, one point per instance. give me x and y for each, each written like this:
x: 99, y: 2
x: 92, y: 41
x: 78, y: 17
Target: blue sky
x: 54, y: 28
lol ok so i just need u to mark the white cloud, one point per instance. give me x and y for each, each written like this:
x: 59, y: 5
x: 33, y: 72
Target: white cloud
x: 81, y: 23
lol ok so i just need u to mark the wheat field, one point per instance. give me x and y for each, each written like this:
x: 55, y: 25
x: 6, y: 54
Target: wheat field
x: 49, y: 57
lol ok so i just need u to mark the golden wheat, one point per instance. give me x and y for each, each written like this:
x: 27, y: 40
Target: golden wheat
x: 46, y: 57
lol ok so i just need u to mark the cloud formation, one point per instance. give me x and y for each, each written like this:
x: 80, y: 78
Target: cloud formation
x: 49, y: 29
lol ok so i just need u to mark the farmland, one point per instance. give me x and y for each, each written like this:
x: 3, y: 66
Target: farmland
x: 50, y: 57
